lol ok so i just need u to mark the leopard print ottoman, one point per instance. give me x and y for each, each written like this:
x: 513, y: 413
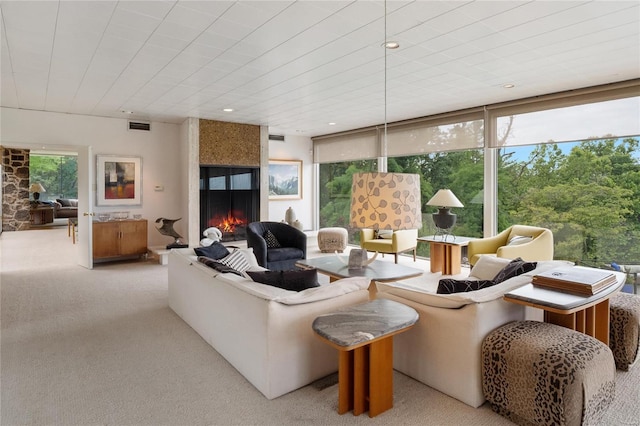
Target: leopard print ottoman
x: 544, y: 374
x: 624, y: 331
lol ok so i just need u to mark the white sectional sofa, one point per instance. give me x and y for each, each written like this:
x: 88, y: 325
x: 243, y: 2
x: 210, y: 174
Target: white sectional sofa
x: 263, y: 331
x: 443, y: 350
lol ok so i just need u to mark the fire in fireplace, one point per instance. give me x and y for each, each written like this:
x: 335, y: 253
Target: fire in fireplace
x: 229, y: 199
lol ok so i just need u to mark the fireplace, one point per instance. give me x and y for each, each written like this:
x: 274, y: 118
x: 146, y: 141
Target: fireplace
x: 229, y: 199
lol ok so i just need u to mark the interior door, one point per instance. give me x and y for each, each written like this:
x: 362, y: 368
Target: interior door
x: 85, y: 207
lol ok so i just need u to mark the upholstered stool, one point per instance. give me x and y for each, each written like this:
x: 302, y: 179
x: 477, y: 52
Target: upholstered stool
x: 539, y: 373
x: 624, y: 331
x: 332, y: 239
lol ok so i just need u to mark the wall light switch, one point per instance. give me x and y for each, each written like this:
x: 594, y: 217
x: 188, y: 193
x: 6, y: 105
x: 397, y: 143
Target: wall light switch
x: 159, y: 188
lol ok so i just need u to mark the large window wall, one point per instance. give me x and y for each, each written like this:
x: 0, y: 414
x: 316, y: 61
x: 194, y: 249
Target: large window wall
x: 569, y: 162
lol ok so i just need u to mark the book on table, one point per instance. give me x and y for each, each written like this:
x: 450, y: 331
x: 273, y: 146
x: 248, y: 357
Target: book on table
x: 575, y: 279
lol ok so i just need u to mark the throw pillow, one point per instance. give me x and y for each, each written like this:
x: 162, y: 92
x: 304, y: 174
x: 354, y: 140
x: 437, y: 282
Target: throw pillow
x: 385, y: 234
x: 516, y: 267
x: 488, y: 266
x: 236, y: 260
x: 295, y: 280
x: 217, y: 265
x: 214, y: 251
x: 449, y: 285
x: 271, y: 240
x: 519, y: 239
x: 64, y: 202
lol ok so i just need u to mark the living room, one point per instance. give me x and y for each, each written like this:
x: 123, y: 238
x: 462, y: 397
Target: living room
x: 169, y: 152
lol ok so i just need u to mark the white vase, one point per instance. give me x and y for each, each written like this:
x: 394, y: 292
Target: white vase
x: 297, y: 224
x: 290, y: 216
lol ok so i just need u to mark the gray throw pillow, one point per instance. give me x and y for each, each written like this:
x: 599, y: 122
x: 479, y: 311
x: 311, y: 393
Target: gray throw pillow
x: 217, y: 265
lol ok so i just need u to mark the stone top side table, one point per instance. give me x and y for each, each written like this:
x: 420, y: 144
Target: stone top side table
x: 364, y: 336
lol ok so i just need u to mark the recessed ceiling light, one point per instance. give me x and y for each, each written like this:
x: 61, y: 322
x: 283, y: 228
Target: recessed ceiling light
x: 124, y: 111
x: 228, y: 109
x: 509, y: 85
x: 332, y: 124
x: 391, y: 44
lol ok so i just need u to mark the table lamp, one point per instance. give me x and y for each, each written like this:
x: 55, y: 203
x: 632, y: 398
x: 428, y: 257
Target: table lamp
x: 36, y: 188
x: 384, y: 201
x: 444, y: 219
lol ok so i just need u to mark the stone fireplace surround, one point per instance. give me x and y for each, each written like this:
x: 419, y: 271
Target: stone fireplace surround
x: 15, y: 189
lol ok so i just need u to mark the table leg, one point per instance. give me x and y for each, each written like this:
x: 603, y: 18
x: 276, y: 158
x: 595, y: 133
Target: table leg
x: 436, y: 257
x: 345, y: 382
x: 451, y: 262
x: 381, y: 376
x: 361, y: 368
x: 564, y: 320
x: 601, y: 319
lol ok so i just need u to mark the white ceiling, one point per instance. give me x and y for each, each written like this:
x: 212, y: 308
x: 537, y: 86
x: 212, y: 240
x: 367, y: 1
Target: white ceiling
x: 296, y: 66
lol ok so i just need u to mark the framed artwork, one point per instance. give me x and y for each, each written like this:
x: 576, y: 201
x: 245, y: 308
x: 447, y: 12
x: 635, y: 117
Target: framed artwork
x: 119, y: 181
x: 285, y: 179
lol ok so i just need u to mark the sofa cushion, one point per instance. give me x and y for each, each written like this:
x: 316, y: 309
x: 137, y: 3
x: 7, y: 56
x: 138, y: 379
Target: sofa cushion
x: 214, y: 251
x: 284, y: 253
x: 296, y: 280
x: 271, y: 240
x: 64, y: 202
x: 516, y: 267
x: 323, y: 292
x: 487, y: 267
x: 450, y: 286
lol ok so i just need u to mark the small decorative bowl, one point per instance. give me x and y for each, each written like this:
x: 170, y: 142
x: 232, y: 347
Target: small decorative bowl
x: 103, y: 217
x: 137, y: 216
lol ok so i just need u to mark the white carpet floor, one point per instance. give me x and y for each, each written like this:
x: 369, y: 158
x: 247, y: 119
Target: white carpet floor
x: 101, y: 346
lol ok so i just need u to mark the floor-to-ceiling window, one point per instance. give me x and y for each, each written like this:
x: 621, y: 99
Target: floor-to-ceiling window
x: 576, y: 170
x: 569, y: 162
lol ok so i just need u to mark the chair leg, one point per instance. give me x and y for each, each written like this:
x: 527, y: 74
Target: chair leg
x: 396, y: 256
x: 415, y: 249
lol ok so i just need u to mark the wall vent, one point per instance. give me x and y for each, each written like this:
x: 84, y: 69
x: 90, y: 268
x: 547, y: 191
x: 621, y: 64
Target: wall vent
x: 137, y: 125
x: 279, y: 138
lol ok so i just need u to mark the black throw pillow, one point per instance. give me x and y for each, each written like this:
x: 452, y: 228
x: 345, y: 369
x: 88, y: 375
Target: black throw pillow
x: 514, y: 268
x: 218, y: 266
x: 450, y: 286
x: 295, y: 280
x: 271, y: 240
x: 214, y: 251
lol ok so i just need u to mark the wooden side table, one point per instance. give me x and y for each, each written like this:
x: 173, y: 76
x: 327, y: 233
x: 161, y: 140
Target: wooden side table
x: 364, y: 336
x: 588, y: 315
x: 41, y: 215
x: 446, y: 251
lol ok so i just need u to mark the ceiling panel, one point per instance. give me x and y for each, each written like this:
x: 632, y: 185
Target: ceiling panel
x: 295, y: 66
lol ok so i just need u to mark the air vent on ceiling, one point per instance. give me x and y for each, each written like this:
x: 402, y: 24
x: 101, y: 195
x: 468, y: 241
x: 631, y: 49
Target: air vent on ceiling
x: 137, y: 125
x: 279, y: 138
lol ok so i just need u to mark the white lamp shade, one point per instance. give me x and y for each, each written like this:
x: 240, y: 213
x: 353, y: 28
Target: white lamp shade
x: 386, y: 201
x: 37, y: 187
x: 444, y: 198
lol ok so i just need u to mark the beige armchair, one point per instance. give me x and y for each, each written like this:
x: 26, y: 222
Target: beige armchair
x: 537, y: 244
x: 400, y: 241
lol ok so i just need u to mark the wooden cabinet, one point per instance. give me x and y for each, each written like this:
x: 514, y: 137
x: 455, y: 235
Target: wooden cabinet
x: 122, y: 238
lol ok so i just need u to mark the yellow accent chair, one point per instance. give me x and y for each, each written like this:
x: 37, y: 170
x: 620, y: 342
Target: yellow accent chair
x: 400, y: 241
x: 528, y: 242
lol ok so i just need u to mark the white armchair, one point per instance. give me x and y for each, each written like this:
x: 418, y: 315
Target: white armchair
x: 400, y: 241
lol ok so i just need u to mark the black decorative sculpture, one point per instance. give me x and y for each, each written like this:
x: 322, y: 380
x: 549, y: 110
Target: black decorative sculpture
x: 167, y: 229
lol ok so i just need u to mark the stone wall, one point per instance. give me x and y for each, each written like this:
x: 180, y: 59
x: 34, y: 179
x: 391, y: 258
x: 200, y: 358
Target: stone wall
x: 229, y: 144
x: 15, y: 189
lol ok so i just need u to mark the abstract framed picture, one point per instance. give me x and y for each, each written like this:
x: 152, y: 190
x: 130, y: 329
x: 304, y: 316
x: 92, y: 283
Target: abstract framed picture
x: 119, y: 181
x: 285, y: 179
